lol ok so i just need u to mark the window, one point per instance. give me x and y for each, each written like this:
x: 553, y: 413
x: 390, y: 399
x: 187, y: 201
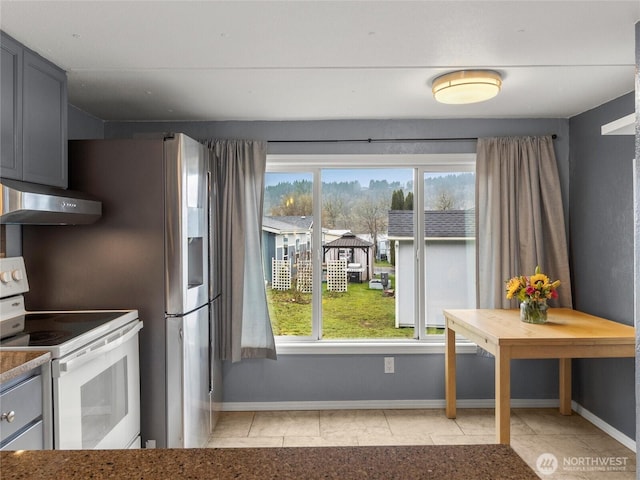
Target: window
x: 449, y: 244
x: 358, y: 264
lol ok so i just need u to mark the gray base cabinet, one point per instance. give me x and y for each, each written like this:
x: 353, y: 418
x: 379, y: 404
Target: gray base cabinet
x: 22, y: 419
x: 34, y: 117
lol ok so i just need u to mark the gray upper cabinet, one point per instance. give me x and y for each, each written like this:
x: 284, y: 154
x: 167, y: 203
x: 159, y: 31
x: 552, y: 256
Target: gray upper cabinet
x: 11, y: 109
x: 34, y: 104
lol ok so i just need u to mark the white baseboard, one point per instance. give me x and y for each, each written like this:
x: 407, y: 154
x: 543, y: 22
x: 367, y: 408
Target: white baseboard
x: 604, y: 426
x: 380, y: 404
x: 439, y: 403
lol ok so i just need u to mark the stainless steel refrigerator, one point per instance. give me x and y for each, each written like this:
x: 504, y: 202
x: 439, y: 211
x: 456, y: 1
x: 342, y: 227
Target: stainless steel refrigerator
x: 149, y: 251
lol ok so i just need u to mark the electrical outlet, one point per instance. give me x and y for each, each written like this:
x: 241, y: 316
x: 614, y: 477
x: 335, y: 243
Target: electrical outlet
x: 150, y: 444
x: 389, y: 365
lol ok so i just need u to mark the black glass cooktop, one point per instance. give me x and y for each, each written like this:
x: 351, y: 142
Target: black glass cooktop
x: 50, y: 329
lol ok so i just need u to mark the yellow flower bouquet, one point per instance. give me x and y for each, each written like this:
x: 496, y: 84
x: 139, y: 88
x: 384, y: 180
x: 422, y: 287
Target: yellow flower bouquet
x: 533, y: 293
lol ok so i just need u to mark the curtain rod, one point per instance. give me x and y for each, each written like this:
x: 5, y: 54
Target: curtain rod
x: 386, y: 140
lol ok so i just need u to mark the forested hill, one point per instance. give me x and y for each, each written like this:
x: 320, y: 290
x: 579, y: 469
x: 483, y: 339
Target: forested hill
x: 442, y: 192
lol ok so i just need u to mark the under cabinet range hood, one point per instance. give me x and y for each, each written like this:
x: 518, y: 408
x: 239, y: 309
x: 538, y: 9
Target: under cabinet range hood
x: 26, y: 203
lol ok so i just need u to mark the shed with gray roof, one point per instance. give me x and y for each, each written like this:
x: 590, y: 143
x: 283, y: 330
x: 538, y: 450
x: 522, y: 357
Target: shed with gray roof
x: 437, y: 224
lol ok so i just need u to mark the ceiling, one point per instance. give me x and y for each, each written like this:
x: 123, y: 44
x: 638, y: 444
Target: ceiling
x: 301, y: 60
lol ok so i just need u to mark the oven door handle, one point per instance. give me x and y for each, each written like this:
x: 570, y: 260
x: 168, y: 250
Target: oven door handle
x: 95, y: 349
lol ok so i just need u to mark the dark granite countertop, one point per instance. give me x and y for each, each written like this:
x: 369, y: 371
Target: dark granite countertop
x: 439, y: 462
x: 14, y: 364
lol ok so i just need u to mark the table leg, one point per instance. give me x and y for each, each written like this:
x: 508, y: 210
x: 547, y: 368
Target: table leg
x: 565, y: 386
x: 450, y: 372
x: 503, y: 395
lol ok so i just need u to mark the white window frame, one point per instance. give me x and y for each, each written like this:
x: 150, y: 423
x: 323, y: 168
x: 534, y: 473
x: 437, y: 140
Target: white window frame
x: 421, y: 164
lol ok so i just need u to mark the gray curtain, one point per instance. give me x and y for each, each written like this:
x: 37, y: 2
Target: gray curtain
x: 520, y: 217
x: 245, y: 328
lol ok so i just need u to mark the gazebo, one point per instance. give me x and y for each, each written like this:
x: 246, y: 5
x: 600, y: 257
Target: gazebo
x: 360, y: 253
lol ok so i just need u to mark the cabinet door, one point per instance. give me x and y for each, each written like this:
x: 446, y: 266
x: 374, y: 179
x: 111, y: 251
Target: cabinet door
x: 25, y: 401
x: 11, y: 109
x: 44, y: 122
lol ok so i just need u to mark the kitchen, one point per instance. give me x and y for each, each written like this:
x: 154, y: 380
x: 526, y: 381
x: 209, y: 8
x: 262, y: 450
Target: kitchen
x: 576, y: 140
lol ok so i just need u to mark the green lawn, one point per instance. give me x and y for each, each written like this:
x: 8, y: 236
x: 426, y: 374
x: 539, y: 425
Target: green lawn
x: 357, y: 313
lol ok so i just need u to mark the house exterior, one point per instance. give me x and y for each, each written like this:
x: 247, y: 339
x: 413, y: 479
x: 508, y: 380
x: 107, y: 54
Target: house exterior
x: 449, y: 246
x: 382, y: 245
x: 285, y: 238
x: 289, y: 238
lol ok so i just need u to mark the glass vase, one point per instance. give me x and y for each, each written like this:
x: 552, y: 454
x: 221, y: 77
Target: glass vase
x: 533, y: 312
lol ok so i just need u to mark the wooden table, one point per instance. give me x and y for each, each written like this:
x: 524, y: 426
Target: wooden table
x: 568, y: 334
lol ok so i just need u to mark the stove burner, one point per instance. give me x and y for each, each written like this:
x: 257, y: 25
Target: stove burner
x: 49, y: 337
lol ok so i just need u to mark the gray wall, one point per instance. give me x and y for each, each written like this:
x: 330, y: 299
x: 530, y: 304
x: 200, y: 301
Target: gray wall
x: 317, y: 378
x: 83, y: 126
x: 601, y: 226
x: 361, y: 377
x: 365, y: 129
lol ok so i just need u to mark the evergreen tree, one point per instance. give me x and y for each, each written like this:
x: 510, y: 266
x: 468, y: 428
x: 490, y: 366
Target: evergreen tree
x: 408, y: 201
x: 397, y: 200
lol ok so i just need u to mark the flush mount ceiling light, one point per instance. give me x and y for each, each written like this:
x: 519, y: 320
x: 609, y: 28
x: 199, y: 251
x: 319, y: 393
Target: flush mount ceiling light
x: 466, y: 86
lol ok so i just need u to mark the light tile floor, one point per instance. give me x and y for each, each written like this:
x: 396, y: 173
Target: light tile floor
x: 575, y: 443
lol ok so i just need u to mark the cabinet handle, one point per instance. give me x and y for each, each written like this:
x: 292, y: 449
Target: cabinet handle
x: 9, y: 417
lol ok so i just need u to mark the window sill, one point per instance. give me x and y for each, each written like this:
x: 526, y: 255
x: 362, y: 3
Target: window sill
x: 369, y: 347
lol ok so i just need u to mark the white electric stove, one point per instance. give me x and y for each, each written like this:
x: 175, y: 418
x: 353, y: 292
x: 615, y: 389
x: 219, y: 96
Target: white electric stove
x: 94, y: 367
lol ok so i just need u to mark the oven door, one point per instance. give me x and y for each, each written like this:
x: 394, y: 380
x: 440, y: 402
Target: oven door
x: 96, y: 393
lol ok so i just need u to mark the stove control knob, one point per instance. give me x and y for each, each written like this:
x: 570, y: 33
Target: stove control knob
x: 9, y: 417
x: 17, y: 275
x: 5, y: 277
